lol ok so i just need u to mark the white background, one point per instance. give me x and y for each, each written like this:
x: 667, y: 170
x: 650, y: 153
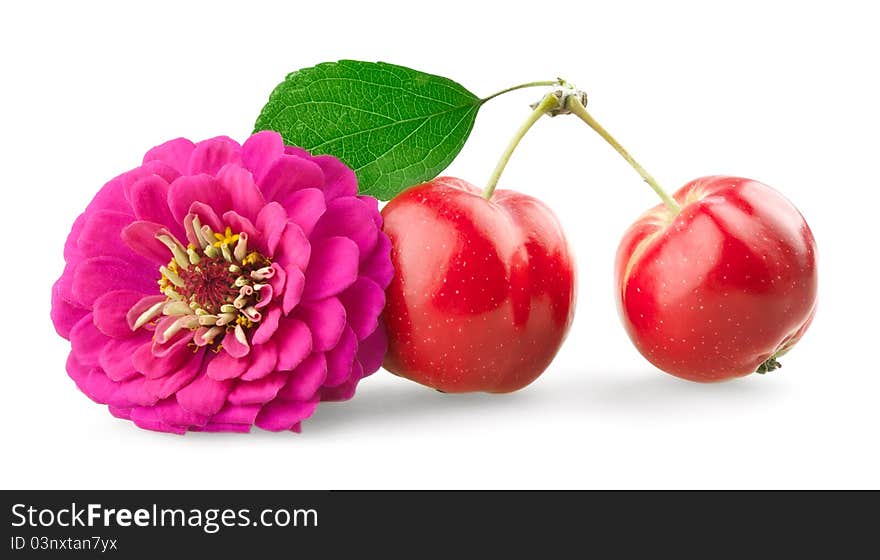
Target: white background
x: 786, y: 93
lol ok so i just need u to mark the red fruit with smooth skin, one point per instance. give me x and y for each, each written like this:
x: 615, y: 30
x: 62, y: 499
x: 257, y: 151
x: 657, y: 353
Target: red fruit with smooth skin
x: 723, y: 287
x: 484, y: 290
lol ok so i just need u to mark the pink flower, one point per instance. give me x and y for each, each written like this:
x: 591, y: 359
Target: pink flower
x: 220, y: 286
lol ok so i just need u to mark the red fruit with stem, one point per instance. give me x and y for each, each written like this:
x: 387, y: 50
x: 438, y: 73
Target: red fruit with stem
x: 484, y: 287
x: 717, y: 282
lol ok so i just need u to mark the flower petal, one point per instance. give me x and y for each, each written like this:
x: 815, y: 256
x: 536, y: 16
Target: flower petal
x: 293, y: 341
x: 377, y: 265
x: 364, y: 301
x: 149, y: 199
x: 339, y: 179
x: 115, y: 357
x: 304, y: 208
x: 163, y: 387
x: 111, y: 310
x: 293, y: 248
x: 170, y: 412
x: 259, y: 391
x: 209, y: 156
x: 340, y: 358
x: 306, y: 379
x: 271, y: 222
x: 140, y: 237
x: 175, y: 153
x: 64, y: 314
x: 263, y: 361
x: 325, y: 319
x: 148, y: 419
x: 371, y: 350
x: 102, y: 236
x: 268, y: 326
x: 196, y: 188
x: 204, y: 395
x: 283, y: 415
x: 261, y: 150
x: 333, y: 267
x: 293, y: 288
x: 246, y: 198
x: 287, y: 174
x: 224, y: 366
x: 239, y: 223
x: 346, y: 390
x: 348, y: 217
x: 86, y: 341
x: 237, y: 413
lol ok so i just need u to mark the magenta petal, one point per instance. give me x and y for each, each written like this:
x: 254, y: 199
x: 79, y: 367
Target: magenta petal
x: 339, y: 179
x: 102, y: 235
x: 364, y: 301
x: 293, y: 342
x: 111, y: 310
x: 148, y: 419
x: 259, y: 391
x: 346, y: 390
x: 123, y: 413
x: 175, y: 153
x: 77, y: 371
x: 267, y: 326
x: 293, y: 248
x: 175, y: 356
x: 306, y: 379
x: 99, y: 387
x: 325, y: 319
x: 140, y: 237
x: 234, y: 347
x: 138, y: 309
x: 348, y: 217
x: 377, y: 265
x: 290, y: 173
x: 263, y: 361
x: 237, y: 413
x: 207, y: 216
x: 246, y: 198
x: 196, y: 188
x: 340, y: 358
x: 172, y: 413
x: 163, y: 387
x: 224, y: 366
x: 293, y: 289
x: 271, y: 222
x: 149, y: 199
x: 332, y: 268
x: 304, y: 208
x: 86, y: 341
x: 204, y: 395
x: 239, y: 223
x: 71, y: 251
x: 64, y: 314
x: 209, y: 156
x: 115, y: 357
x: 283, y: 415
x: 260, y: 151
x: 371, y: 350
x: 373, y: 205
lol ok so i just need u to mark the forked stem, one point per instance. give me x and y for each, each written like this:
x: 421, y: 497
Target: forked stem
x: 549, y: 102
x: 574, y: 105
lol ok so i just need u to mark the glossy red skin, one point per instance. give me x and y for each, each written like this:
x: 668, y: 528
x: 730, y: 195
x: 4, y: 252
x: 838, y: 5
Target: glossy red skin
x: 730, y: 282
x: 484, y: 291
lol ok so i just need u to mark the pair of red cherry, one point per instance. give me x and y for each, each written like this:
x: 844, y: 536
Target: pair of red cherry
x: 716, y: 283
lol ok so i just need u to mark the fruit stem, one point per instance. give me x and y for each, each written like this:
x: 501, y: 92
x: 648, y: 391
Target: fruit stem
x: 556, y: 82
x: 574, y: 104
x: 552, y: 100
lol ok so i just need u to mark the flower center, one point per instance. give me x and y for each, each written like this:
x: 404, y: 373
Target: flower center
x: 214, y: 286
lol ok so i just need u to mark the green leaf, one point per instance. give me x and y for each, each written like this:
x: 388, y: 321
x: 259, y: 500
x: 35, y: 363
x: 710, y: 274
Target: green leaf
x: 396, y: 127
